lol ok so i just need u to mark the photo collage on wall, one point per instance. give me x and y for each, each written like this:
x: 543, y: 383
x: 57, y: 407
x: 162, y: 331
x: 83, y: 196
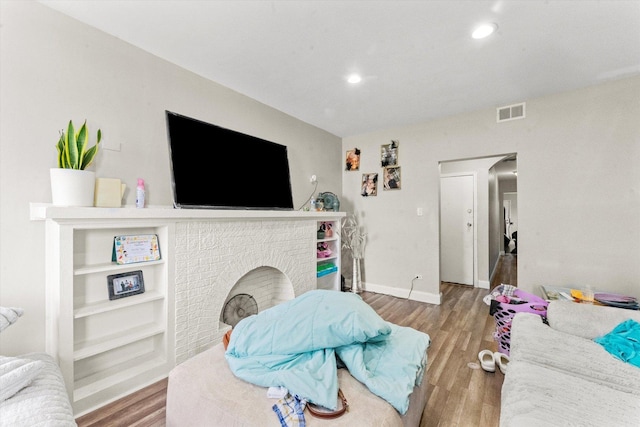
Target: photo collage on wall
x: 390, y: 169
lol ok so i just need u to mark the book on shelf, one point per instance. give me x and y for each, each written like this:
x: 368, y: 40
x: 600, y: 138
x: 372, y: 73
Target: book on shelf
x: 326, y: 268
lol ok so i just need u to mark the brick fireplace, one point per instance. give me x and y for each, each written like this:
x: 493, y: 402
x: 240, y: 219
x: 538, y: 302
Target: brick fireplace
x: 272, y: 260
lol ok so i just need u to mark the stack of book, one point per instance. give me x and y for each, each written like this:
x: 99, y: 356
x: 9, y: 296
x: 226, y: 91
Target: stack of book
x: 326, y: 268
x: 616, y: 300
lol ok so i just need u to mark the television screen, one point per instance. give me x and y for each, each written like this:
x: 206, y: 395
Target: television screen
x: 217, y: 168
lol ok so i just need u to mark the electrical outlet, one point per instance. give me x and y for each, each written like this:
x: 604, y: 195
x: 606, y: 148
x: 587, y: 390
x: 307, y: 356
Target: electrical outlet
x: 313, y: 179
x: 418, y: 276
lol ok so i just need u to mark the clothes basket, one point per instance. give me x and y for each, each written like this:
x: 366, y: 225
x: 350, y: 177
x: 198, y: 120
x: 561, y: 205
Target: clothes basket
x: 503, y: 313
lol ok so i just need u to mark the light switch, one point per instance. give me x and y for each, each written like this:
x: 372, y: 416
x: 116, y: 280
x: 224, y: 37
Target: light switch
x: 419, y: 211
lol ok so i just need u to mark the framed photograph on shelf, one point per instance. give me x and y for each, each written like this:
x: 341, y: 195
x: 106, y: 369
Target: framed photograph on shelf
x: 389, y: 154
x: 392, y: 178
x: 135, y: 248
x: 369, y: 184
x: 352, y: 161
x: 125, y: 284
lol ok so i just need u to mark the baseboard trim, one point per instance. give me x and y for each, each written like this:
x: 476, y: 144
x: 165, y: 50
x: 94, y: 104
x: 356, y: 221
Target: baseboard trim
x: 483, y: 284
x: 420, y: 296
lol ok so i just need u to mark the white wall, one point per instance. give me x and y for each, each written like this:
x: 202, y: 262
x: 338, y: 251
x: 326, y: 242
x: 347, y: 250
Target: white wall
x: 53, y: 69
x: 578, y: 191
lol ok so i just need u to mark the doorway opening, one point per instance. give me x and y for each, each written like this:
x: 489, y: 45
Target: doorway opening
x: 481, y: 224
x: 510, y: 205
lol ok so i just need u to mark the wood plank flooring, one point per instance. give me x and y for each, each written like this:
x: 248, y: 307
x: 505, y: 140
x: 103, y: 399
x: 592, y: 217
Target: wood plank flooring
x: 460, y: 393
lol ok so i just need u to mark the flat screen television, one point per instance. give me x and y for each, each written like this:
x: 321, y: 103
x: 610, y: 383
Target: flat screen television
x: 217, y: 168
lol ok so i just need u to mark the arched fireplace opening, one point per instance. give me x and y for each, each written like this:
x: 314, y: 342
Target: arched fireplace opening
x: 268, y: 286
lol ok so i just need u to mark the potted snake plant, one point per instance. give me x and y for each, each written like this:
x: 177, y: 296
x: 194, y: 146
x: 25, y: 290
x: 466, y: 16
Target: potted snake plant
x: 71, y: 183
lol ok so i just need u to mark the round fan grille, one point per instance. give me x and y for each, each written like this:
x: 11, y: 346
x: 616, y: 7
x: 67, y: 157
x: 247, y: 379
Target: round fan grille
x: 239, y: 307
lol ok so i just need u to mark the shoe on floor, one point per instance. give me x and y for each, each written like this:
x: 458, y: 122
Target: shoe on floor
x: 502, y: 360
x: 487, y: 361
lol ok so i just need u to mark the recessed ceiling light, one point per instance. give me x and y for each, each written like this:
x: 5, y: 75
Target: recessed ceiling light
x: 484, y: 30
x: 354, y: 78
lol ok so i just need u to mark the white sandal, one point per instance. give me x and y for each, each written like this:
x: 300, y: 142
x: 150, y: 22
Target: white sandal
x: 487, y: 361
x: 502, y: 360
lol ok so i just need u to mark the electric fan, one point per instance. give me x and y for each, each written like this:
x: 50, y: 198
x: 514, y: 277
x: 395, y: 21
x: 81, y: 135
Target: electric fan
x: 237, y: 308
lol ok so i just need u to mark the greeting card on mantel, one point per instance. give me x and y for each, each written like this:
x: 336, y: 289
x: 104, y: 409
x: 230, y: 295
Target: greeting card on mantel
x: 135, y: 248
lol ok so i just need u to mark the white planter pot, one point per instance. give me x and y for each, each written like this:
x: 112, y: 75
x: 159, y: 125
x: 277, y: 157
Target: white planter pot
x: 72, y: 187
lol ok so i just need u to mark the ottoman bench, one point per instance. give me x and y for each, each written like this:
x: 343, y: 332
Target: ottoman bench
x: 204, y: 392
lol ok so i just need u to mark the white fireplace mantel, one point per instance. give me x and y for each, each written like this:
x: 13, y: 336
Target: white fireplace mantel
x: 44, y: 211
x: 106, y: 348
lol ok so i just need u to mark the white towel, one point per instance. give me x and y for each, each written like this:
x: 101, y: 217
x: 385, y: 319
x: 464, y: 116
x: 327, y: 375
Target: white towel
x: 9, y: 316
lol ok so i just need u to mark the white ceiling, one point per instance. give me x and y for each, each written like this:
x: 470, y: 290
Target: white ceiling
x: 417, y: 57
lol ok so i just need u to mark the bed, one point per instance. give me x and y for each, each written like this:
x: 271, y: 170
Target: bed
x: 38, y: 396
x: 32, y: 390
x: 317, y: 343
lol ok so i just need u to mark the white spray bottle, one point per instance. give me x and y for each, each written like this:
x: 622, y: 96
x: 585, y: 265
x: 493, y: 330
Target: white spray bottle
x: 140, y: 194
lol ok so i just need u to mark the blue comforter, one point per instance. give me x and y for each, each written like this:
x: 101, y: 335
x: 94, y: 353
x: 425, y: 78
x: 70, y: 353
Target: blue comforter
x: 295, y: 345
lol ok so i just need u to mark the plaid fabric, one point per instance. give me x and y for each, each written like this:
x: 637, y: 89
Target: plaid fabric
x: 502, y: 289
x: 290, y: 411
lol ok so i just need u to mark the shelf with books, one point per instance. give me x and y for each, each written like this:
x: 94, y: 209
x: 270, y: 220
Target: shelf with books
x: 328, y: 255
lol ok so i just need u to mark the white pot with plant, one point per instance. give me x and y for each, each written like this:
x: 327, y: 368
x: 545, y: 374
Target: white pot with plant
x: 71, y: 183
x: 353, y: 239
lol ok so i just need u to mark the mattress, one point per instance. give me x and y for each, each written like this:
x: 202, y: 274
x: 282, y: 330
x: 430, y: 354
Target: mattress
x: 43, y: 402
x: 204, y: 391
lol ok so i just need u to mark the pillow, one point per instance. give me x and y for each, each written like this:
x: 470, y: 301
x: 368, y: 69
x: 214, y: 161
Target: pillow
x: 623, y: 342
x: 16, y: 374
x: 9, y: 316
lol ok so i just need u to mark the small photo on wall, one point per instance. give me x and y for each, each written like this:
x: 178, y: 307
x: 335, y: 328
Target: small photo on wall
x: 369, y: 184
x: 392, y: 178
x: 389, y: 154
x: 352, y: 162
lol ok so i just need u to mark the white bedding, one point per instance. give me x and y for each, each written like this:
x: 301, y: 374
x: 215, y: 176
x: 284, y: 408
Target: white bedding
x: 295, y: 344
x: 43, y: 402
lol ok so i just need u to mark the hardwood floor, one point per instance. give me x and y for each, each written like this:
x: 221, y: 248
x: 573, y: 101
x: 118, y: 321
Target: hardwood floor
x: 460, y: 392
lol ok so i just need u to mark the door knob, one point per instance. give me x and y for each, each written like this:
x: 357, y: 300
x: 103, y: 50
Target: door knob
x: 469, y: 224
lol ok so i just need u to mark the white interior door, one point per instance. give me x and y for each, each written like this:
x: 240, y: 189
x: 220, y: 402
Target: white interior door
x: 457, y: 228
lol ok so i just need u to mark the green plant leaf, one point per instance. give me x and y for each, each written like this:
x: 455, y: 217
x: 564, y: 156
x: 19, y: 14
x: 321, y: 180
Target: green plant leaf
x: 81, y: 142
x: 60, y: 150
x: 88, y: 156
x: 71, y: 147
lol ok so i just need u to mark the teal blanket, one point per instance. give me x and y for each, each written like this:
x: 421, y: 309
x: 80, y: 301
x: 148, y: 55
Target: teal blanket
x: 623, y: 342
x: 295, y: 345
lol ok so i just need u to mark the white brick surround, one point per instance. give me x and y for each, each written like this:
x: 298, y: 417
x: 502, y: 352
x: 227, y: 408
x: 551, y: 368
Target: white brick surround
x: 216, y: 259
x: 207, y: 257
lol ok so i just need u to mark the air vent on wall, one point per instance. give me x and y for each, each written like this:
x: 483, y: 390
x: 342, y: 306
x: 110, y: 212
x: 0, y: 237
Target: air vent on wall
x: 510, y: 112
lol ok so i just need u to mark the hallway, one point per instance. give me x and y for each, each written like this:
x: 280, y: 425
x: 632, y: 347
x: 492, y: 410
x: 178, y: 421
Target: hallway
x: 506, y: 271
